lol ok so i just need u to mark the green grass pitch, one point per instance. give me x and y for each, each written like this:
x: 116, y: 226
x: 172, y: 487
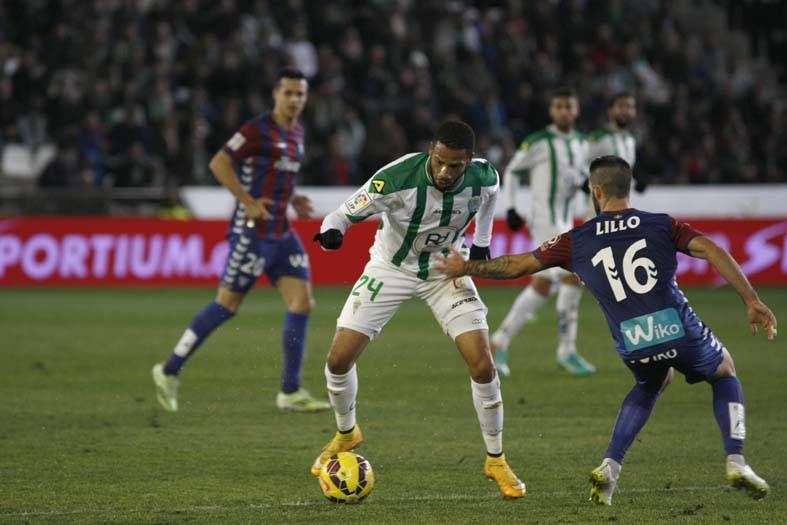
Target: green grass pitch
x: 82, y: 440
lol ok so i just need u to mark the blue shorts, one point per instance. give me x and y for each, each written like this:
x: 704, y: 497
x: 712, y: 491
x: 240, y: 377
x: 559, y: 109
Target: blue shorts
x: 697, y: 363
x: 249, y: 257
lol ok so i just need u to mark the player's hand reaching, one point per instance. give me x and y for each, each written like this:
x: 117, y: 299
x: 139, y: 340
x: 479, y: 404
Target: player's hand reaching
x: 453, y: 265
x: 330, y: 239
x: 303, y: 206
x: 514, y: 220
x: 256, y: 209
x: 758, y: 313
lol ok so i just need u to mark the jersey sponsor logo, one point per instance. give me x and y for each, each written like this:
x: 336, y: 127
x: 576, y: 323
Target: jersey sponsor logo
x: 285, y: 164
x: 236, y: 141
x: 474, y: 204
x: 617, y: 224
x: 378, y: 185
x: 463, y: 301
x: 358, y: 202
x: 651, y: 329
x: 439, y: 211
x: 434, y: 240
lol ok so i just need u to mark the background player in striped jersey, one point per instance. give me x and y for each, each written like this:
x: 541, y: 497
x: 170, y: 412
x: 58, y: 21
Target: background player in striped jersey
x: 555, y: 159
x: 627, y: 260
x: 427, y: 200
x: 258, y: 164
x: 615, y: 138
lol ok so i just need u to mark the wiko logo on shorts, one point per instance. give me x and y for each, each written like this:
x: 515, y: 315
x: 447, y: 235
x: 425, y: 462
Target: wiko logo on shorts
x: 651, y: 329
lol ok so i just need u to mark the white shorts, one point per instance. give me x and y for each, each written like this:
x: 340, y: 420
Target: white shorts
x: 541, y: 233
x: 377, y: 294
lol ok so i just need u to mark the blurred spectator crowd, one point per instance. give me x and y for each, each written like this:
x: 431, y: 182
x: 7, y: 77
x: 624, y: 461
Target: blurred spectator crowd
x: 142, y: 92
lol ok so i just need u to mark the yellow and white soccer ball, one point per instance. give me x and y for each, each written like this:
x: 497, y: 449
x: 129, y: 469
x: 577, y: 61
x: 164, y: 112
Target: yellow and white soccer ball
x: 346, y: 478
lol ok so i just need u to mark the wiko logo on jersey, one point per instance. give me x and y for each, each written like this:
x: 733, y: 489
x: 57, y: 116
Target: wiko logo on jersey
x: 651, y: 329
x: 435, y: 239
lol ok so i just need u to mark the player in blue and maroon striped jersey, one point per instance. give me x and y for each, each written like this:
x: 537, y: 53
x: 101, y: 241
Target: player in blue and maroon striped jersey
x: 258, y: 164
x: 627, y: 259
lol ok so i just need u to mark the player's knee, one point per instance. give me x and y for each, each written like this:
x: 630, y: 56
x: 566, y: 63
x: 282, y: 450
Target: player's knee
x: 541, y: 286
x: 229, y: 300
x: 483, y: 370
x: 726, y: 368
x: 301, y: 305
x: 338, y: 363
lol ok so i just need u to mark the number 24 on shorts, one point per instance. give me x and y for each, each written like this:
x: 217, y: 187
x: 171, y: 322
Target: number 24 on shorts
x: 370, y: 285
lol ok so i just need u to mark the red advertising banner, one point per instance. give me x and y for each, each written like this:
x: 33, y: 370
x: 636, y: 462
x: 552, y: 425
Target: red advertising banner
x: 110, y: 251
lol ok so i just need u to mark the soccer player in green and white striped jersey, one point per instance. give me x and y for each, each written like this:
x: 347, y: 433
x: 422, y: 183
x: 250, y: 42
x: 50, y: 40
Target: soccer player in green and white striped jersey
x: 615, y: 138
x: 555, y: 159
x: 427, y: 201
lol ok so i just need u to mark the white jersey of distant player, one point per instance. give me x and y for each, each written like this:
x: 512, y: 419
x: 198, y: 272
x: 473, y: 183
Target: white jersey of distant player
x: 607, y: 141
x: 419, y: 221
x: 556, y: 163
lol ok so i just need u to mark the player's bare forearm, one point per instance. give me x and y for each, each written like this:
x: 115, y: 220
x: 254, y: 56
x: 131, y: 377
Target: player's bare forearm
x: 705, y: 248
x: 505, y: 267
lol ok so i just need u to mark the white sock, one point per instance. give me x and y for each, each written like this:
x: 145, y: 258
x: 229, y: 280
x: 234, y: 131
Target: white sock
x: 489, y: 407
x: 737, y: 459
x: 523, y: 309
x: 614, y: 467
x: 568, y: 297
x: 342, y: 390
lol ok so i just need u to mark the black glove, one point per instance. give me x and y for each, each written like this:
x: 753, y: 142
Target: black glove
x: 479, y: 253
x: 640, y: 184
x: 514, y: 220
x: 330, y: 239
x: 586, y: 186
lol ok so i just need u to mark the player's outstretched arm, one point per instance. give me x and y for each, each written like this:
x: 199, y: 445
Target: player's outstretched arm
x: 757, y: 312
x: 505, y: 267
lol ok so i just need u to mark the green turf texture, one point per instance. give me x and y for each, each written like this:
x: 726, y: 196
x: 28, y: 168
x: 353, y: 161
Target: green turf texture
x: 82, y: 439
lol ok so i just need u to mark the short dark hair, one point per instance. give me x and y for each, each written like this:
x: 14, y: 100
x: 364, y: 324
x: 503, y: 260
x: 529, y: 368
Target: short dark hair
x: 291, y: 72
x: 562, y: 92
x: 613, y: 174
x: 619, y: 95
x: 456, y: 135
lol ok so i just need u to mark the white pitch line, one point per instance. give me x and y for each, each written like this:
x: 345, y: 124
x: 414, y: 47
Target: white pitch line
x: 320, y: 502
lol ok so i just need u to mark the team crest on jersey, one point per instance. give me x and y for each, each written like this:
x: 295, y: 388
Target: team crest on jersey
x: 378, y: 185
x: 550, y: 243
x: 358, y: 202
x: 474, y: 204
x: 434, y: 239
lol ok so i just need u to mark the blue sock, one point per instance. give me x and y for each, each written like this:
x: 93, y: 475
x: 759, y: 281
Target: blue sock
x: 728, y: 408
x: 209, y: 318
x: 634, y: 413
x: 294, y: 341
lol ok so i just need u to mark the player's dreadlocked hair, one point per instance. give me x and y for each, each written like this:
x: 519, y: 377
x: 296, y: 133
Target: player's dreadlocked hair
x: 456, y: 135
x: 613, y: 174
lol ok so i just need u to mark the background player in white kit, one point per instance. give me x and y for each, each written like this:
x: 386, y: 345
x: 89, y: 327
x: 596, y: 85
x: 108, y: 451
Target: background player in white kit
x: 615, y: 138
x: 555, y: 158
x: 426, y: 201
